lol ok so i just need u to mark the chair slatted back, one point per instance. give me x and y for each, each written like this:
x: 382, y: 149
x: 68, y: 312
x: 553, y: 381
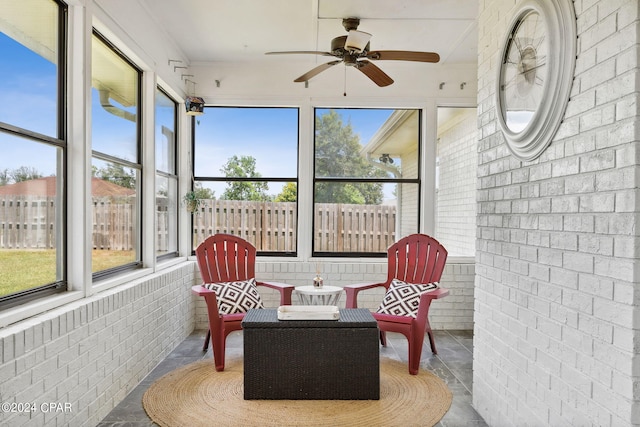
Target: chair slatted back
x: 416, y: 258
x: 226, y: 258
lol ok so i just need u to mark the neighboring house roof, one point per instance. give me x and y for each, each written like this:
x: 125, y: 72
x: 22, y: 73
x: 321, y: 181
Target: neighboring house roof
x: 102, y: 188
x: 47, y: 187
x: 396, y: 136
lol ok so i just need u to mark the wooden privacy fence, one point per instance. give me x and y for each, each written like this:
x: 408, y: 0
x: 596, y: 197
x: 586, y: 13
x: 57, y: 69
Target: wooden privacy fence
x: 114, y: 223
x: 27, y: 222
x: 354, y: 228
x: 269, y: 226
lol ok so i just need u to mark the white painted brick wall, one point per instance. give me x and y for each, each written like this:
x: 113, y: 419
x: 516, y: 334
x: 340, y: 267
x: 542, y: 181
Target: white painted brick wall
x: 93, y: 352
x: 456, y: 197
x: 556, y: 302
x: 453, y: 312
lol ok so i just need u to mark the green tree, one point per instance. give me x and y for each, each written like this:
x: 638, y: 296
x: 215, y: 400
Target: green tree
x: 244, y: 167
x: 5, y: 177
x: 289, y: 193
x: 24, y: 173
x: 202, y: 192
x: 338, y: 155
x: 116, y: 174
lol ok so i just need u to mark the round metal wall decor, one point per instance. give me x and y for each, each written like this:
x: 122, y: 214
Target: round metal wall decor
x: 535, y: 74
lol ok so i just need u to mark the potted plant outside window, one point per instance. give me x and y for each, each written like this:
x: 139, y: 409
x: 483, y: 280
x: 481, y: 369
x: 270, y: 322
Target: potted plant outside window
x: 192, y: 201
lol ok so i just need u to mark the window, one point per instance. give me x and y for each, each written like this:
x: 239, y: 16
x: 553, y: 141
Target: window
x: 166, y: 176
x: 456, y: 180
x: 366, y: 179
x: 116, y: 168
x: 33, y: 147
x: 246, y: 171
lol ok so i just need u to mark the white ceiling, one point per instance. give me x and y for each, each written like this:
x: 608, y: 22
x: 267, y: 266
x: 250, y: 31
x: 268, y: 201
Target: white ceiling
x: 243, y: 30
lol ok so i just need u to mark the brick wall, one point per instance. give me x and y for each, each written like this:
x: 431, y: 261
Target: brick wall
x: 456, y: 197
x: 90, y: 354
x: 556, y: 339
x: 453, y: 312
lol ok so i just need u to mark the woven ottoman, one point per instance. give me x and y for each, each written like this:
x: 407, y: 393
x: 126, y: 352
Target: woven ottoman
x: 311, y: 359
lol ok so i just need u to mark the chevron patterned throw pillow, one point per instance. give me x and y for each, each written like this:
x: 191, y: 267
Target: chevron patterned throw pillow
x: 236, y: 297
x: 402, y: 299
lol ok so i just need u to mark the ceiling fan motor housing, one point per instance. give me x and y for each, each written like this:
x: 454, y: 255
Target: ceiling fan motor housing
x: 350, y: 23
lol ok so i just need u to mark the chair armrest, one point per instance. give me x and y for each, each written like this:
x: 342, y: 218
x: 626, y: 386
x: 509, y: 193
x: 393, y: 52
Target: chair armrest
x: 406, y: 320
x: 352, y: 292
x: 425, y: 302
x: 201, y: 290
x: 211, y: 300
x: 438, y: 293
x: 427, y: 297
x: 284, y: 289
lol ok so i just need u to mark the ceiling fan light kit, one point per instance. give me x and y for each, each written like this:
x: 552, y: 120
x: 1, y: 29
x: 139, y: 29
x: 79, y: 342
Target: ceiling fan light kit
x: 354, y: 50
x: 357, y: 41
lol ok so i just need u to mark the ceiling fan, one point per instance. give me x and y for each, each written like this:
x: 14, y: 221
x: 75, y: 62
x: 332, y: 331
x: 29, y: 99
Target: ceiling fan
x: 353, y: 50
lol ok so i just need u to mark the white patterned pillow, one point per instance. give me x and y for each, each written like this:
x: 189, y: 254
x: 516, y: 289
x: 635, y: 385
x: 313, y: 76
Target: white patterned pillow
x: 403, y: 299
x: 236, y: 297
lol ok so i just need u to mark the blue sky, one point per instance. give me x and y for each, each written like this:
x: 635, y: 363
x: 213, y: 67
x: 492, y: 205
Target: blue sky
x: 28, y: 99
x: 27, y: 88
x: 269, y: 135
x: 365, y: 122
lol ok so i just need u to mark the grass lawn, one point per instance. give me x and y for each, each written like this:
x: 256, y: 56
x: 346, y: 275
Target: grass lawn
x: 25, y: 269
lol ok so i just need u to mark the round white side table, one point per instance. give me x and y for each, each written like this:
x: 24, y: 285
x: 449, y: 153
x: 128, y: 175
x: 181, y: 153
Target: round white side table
x: 326, y: 295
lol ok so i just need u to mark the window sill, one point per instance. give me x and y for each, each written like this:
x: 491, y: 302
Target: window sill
x: 46, y: 305
x: 34, y: 308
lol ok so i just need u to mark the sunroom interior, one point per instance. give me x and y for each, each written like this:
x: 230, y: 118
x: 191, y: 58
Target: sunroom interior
x: 96, y: 241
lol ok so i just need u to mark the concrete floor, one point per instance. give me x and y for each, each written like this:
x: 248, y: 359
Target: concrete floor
x: 453, y: 364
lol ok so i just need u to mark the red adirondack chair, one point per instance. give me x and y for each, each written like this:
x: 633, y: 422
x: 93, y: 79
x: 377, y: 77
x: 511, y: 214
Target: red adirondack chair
x: 416, y: 258
x: 227, y: 258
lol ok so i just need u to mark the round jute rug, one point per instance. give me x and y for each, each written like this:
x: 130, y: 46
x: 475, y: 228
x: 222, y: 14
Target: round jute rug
x: 197, y: 395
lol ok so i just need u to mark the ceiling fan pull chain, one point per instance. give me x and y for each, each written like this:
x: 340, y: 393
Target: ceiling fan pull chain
x: 345, y: 80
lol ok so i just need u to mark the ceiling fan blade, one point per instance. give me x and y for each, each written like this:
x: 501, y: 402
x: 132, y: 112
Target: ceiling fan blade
x: 403, y: 55
x: 372, y: 71
x: 314, y: 72
x: 295, y: 52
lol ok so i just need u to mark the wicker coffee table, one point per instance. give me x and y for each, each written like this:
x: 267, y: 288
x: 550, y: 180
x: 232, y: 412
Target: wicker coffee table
x: 311, y: 359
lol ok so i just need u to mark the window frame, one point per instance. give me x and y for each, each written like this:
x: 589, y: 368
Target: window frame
x: 61, y: 142
x: 172, y: 176
x: 137, y: 165
x: 296, y: 179
x: 397, y: 181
